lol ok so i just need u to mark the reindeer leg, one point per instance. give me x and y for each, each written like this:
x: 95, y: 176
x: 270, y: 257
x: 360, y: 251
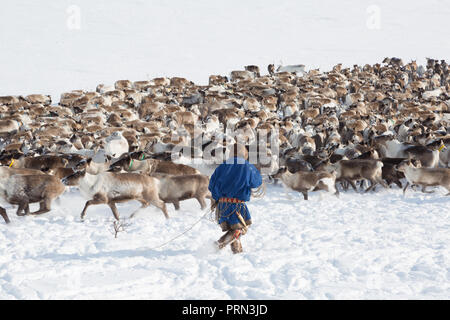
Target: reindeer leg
x: 113, y: 207
x: 336, y: 187
x: 202, y: 203
x: 44, y: 206
x: 98, y: 199
x: 406, y: 187
x: 144, y: 203
x: 361, y: 184
x: 286, y: 190
x: 344, y: 184
x: 176, y: 204
x: 384, y: 184
x: 388, y: 182
x: 337, y: 191
x: 27, y: 208
x: 161, y: 205
x: 22, y: 205
x: 4, y: 215
x: 305, y: 195
x: 19, y: 210
x: 373, y: 184
x: 352, y: 184
x: 425, y: 191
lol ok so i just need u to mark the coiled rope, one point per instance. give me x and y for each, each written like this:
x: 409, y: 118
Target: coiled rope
x: 259, y: 192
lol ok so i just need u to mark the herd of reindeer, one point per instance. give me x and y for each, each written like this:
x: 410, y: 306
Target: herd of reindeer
x: 385, y: 124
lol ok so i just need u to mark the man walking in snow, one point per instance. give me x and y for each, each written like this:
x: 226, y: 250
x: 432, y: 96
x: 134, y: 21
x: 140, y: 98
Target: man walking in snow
x: 230, y: 186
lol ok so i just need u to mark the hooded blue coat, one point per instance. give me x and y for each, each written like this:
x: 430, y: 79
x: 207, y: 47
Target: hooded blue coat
x: 234, y: 179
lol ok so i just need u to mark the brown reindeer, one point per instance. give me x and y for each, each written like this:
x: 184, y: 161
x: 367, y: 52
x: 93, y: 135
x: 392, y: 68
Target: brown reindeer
x: 174, y: 189
x: 129, y: 164
x: 424, y: 176
x: 25, y: 186
x: 356, y: 169
x: 111, y: 188
x: 43, y: 163
x: 303, y: 181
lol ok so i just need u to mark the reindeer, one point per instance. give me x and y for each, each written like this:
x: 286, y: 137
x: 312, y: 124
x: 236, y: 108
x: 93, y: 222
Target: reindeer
x: 111, y: 188
x: 173, y: 189
x: 298, y: 68
x: 128, y: 164
x: 8, y: 126
x: 356, y: 169
x: 93, y: 167
x: 303, y: 181
x: 43, y: 163
x: 428, y: 157
x: 25, y: 186
x: 241, y: 75
x: 63, y: 172
x: 150, y: 166
x: 390, y: 174
x: 425, y: 177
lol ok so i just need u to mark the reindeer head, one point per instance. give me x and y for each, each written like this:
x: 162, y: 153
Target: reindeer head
x: 124, y: 162
x: 410, y: 163
x: 138, y: 155
x: 279, y: 173
x: 74, y: 178
x: 83, y: 164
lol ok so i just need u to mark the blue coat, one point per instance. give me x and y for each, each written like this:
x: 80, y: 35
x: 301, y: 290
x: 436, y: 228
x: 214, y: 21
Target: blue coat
x: 234, y: 179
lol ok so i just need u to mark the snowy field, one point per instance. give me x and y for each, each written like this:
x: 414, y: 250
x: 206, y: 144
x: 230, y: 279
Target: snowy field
x: 376, y: 246
x: 361, y: 246
x: 57, y: 46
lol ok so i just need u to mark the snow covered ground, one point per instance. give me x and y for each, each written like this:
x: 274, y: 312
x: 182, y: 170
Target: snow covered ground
x: 376, y: 246
x: 380, y: 245
x: 57, y: 46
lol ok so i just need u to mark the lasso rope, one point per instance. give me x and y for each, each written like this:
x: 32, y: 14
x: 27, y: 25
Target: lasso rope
x: 259, y: 192
x: 184, y: 232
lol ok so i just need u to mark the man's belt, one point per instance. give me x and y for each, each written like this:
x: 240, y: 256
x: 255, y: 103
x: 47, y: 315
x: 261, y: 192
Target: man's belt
x: 231, y: 200
x: 234, y: 200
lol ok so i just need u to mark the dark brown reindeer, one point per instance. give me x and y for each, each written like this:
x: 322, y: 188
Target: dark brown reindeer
x: 43, y: 163
x: 353, y: 170
x: 25, y: 186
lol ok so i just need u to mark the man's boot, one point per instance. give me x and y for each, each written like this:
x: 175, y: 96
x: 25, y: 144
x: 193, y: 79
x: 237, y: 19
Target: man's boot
x: 236, y: 246
x: 225, y: 239
x: 230, y: 237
